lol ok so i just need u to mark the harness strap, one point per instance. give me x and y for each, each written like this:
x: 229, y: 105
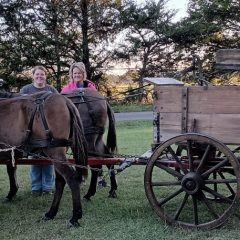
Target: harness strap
x: 30, y: 144
x: 81, y: 98
x: 38, y: 108
x: 94, y: 130
x: 90, y: 111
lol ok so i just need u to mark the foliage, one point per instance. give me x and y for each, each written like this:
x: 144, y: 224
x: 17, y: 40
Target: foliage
x: 146, y: 37
x: 108, y: 32
x: 232, y: 78
x: 210, y: 25
x: 54, y: 34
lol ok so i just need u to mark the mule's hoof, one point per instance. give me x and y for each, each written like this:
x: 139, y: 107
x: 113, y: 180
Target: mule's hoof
x: 73, y: 224
x: 7, y: 199
x: 10, y: 197
x: 47, y: 217
x: 112, y: 194
x: 44, y: 218
x: 87, y: 198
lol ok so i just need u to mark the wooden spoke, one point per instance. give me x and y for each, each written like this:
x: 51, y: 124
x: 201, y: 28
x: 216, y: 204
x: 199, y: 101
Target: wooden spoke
x: 178, y: 212
x: 189, y: 147
x: 204, y: 157
x: 160, y: 203
x: 209, y: 171
x: 169, y: 170
x: 211, y: 210
x: 216, y: 194
x: 167, y: 183
x: 177, y: 159
x: 195, y: 209
x: 227, y: 184
x: 219, y: 181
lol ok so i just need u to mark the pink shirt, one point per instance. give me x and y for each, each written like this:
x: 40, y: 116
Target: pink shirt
x: 73, y: 85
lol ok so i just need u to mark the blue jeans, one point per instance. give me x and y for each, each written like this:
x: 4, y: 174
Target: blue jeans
x: 42, y: 177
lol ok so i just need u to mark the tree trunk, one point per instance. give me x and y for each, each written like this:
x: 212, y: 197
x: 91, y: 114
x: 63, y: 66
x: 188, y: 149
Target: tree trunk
x: 85, y: 28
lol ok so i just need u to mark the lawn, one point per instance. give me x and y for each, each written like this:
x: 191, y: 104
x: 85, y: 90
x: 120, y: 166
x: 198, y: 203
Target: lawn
x: 127, y: 217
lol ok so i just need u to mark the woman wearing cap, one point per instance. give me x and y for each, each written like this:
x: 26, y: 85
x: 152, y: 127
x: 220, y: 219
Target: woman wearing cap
x: 78, y: 78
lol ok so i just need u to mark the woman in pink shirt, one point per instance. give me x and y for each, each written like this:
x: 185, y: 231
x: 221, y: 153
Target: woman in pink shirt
x: 78, y: 78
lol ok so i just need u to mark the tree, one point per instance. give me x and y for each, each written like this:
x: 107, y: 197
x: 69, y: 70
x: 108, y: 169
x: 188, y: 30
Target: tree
x: 211, y: 25
x: 56, y: 33
x: 146, y: 36
x: 99, y: 24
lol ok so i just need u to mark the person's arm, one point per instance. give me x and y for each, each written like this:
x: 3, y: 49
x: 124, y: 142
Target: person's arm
x: 24, y: 90
x: 91, y: 85
x: 54, y: 90
x: 64, y: 89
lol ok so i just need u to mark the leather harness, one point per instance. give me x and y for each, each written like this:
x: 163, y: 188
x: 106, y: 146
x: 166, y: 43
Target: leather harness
x: 32, y: 143
x: 79, y: 97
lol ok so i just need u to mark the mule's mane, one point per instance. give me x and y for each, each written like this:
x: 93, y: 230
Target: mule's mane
x: 19, y: 96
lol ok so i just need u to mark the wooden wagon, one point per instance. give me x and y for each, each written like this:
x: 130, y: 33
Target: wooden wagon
x: 192, y: 178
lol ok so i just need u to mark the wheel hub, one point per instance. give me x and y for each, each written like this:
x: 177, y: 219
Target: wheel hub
x: 192, y: 183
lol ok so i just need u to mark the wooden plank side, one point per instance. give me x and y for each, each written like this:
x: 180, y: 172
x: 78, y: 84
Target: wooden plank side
x: 216, y: 110
x: 170, y: 125
x: 223, y: 127
x: 167, y: 98
x: 168, y: 133
x: 215, y: 99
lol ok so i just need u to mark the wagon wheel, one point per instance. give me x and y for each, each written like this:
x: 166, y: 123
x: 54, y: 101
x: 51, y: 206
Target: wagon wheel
x: 181, y: 197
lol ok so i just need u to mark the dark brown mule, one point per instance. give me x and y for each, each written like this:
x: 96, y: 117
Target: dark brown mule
x: 95, y: 112
x: 49, y: 137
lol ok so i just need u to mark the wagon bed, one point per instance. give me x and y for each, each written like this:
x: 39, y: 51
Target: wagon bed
x: 212, y: 110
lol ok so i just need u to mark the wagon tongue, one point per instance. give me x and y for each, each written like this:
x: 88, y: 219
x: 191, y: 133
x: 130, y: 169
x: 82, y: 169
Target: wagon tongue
x: 125, y: 164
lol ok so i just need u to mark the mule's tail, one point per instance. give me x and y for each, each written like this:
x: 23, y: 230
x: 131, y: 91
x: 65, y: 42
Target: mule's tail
x: 111, y: 136
x: 79, y: 144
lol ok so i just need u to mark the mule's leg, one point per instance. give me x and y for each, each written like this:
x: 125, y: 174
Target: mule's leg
x: 71, y: 178
x: 59, y: 185
x: 13, y: 181
x: 113, y: 182
x: 93, y: 183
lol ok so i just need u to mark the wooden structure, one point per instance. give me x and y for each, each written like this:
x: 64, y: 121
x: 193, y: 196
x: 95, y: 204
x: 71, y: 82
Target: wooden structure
x: 213, y: 110
x: 192, y: 178
x: 228, y: 59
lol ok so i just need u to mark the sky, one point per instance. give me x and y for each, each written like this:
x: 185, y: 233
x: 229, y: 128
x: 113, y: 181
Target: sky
x: 180, y: 5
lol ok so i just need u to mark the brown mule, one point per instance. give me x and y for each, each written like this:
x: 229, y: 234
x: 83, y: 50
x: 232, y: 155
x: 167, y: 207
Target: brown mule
x: 95, y: 113
x: 58, y: 124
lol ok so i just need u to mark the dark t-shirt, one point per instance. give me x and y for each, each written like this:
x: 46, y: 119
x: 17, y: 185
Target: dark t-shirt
x: 30, y: 88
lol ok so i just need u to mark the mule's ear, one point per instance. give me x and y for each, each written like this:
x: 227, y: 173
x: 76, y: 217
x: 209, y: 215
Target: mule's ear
x: 2, y: 82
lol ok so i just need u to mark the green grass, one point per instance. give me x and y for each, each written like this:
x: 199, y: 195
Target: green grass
x: 127, y: 217
x: 132, y: 107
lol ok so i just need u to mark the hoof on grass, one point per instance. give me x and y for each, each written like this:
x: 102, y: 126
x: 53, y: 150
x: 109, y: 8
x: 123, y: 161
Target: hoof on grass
x: 7, y: 199
x: 112, y: 194
x: 86, y: 198
x: 73, y: 224
x: 47, y: 217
